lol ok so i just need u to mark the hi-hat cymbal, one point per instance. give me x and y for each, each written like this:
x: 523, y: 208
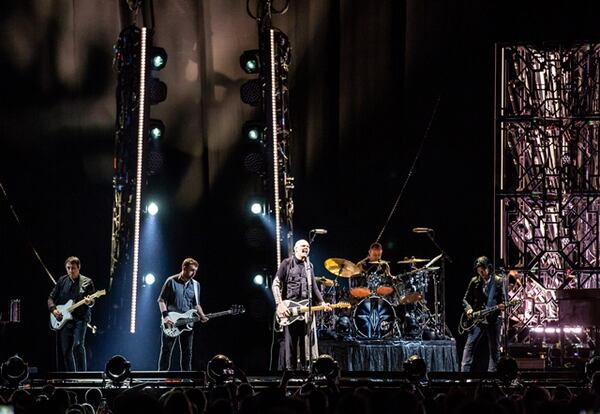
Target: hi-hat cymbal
x: 341, y: 267
x: 324, y: 281
x: 412, y: 260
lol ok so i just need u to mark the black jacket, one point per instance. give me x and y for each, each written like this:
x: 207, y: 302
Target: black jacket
x: 475, y: 298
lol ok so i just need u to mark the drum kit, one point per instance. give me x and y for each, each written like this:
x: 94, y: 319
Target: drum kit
x: 384, y: 306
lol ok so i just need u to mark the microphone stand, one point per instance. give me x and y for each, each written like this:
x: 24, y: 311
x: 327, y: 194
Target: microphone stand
x: 309, y: 331
x: 505, y: 322
x: 442, y: 328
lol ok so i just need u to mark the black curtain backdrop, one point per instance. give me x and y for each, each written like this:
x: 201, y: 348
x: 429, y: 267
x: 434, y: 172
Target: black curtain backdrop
x: 365, y: 79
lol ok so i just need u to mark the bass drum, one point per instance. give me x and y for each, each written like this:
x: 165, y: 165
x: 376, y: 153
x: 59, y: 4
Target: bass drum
x: 374, y: 318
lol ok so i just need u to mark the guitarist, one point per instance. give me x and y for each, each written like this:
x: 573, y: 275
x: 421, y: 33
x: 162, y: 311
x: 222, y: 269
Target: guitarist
x: 179, y: 293
x: 485, y: 290
x: 292, y: 283
x: 73, y: 286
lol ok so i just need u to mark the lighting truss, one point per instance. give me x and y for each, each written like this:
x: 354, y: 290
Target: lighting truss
x: 548, y: 173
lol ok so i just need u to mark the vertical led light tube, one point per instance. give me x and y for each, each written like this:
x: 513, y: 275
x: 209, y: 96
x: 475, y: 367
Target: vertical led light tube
x: 273, y: 73
x: 138, y: 179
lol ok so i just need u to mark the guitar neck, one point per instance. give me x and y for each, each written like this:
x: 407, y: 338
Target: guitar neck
x: 82, y: 301
x: 318, y: 308
x: 217, y: 314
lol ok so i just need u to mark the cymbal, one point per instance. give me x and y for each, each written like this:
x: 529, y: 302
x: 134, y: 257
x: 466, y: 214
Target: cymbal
x: 378, y: 262
x: 324, y: 281
x: 341, y: 267
x: 412, y: 260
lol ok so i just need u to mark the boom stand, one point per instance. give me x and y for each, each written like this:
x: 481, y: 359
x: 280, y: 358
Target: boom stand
x: 441, y: 327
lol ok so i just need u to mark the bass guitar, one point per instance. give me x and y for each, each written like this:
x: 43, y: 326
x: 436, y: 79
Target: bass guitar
x: 185, y: 321
x: 466, y: 324
x: 298, y: 309
x: 68, y: 308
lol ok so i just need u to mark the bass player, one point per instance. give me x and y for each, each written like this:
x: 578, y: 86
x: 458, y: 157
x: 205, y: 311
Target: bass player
x: 179, y: 293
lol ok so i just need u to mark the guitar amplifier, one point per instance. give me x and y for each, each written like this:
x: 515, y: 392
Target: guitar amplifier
x: 528, y: 356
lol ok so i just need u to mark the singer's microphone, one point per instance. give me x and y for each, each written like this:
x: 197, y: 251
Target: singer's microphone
x: 422, y: 230
x: 319, y: 231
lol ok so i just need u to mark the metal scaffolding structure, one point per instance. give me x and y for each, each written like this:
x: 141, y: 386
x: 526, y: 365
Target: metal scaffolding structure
x: 547, y: 174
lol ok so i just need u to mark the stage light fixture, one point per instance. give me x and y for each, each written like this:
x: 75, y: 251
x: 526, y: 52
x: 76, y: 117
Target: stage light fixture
x: 149, y: 279
x: 14, y: 371
x: 152, y: 208
x: 258, y: 279
x: 343, y: 326
x: 220, y: 369
x: 415, y: 368
x: 326, y: 367
x: 156, y: 129
x: 251, y: 92
x: 507, y: 369
x: 250, y: 61
x: 158, y: 58
x: 156, y: 90
x: 256, y: 208
x: 117, y: 369
x: 254, y: 158
x: 254, y: 131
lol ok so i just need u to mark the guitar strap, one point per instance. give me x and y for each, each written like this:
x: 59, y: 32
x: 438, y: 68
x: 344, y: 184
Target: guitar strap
x: 491, y: 294
x: 196, y: 292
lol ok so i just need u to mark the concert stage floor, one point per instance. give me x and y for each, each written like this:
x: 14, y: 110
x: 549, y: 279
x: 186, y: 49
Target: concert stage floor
x: 389, y: 354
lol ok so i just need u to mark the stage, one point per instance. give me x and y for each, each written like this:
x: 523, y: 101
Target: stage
x: 389, y: 355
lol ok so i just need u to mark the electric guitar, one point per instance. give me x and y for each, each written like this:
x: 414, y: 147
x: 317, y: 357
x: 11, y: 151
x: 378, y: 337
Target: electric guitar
x: 68, y: 308
x: 466, y: 324
x: 298, y: 309
x: 185, y: 321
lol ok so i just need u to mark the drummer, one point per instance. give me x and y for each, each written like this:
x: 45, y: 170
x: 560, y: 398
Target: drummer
x: 373, y: 262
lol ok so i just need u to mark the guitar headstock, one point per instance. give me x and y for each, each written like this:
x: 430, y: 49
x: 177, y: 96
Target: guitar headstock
x: 237, y: 309
x: 99, y: 293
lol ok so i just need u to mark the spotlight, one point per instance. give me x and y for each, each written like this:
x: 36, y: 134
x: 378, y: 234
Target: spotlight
x: 158, y: 58
x: 325, y: 366
x: 343, y: 326
x: 117, y: 370
x: 149, y: 279
x: 253, y: 130
x: 220, y: 369
x: 259, y: 279
x: 256, y: 208
x: 14, y: 371
x: 507, y: 369
x: 415, y: 368
x: 153, y: 209
x: 251, y: 92
x: 250, y: 61
x: 156, y: 129
x: 592, y: 366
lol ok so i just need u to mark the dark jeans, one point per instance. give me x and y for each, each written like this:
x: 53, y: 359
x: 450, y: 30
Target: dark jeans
x: 72, y: 344
x: 294, y: 345
x: 185, y: 350
x: 493, y: 335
